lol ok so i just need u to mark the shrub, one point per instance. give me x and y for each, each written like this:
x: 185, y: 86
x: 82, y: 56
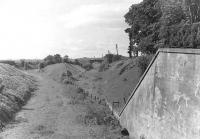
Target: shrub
x: 77, y: 62
x: 57, y: 58
x: 49, y: 60
x: 143, y: 62
x: 78, y: 97
x: 67, y: 82
x: 41, y: 65
x: 88, y: 66
x: 80, y: 90
x: 66, y: 59
x: 100, y: 115
x: 181, y: 36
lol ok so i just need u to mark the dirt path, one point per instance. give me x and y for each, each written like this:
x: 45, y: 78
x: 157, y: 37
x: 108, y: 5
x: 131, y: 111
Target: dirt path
x: 47, y: 115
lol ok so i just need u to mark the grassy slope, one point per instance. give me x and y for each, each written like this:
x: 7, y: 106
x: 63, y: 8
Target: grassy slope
x: 117, y: 82
x: 15, y: 88
x: 55, y: 71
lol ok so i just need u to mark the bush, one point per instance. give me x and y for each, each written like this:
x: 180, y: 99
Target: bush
x: 77, y: 62
x: 181, y: 36
x: 66, y: 59
x: 68, y: 82
x: 78, y: 97
x: 41, y: 65
x: 100, y: 115
x: 143, y: 61
x: 88, y: 66
x: 49, y: 60
x: 80, y: 90
x: 52, y: 59
x: 57, y: 58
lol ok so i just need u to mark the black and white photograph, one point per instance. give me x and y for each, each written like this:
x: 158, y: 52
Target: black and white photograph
x: 99, y: 69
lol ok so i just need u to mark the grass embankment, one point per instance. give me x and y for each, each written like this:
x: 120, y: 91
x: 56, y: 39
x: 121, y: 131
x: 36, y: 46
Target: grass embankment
x: 95, y: 114
x: 15, y: 89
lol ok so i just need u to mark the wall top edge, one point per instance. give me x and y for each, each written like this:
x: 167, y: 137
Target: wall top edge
x: 179, y: 50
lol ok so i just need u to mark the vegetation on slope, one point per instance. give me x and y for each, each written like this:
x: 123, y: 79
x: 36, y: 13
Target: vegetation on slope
x: 15, y: 89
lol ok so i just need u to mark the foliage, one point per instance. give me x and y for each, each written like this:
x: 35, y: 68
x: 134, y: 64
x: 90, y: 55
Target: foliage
x: 173, y: 15
x: 41, y: 65
x: 193, y: 10
x: 66, y: 59
x: 181, y: 36
x: 77, y: 62
x: 88, y: 66
x: 57, y: 58
x: 143, y: 62
x: 155, y: 25
x: 50, y: 59
x: 144, y: 21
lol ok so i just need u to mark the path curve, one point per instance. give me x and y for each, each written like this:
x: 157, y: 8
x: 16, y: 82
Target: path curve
x: 47, y: 115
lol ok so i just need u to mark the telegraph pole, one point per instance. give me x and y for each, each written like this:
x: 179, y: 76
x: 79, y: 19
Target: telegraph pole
x: 117, y: 49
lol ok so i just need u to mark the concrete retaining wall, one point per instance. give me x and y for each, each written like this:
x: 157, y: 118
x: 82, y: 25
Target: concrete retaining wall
x: 166, y: 103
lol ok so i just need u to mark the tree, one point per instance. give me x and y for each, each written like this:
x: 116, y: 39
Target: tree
x: 180, y: 27
x: 143, y: 20
x: 128, y: 30
x: 163, y: 23
x: 57, y: 58
x: 49, y: 60
x: 66, y: 59
x: 193, y: 10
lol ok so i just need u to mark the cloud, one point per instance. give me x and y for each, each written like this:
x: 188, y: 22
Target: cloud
x: 34, y: 29
x: 93, y: 13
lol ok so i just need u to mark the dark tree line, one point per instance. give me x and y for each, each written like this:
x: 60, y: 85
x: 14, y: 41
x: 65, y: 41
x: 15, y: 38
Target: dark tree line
x: 157, y: 23
x: 53, y: 59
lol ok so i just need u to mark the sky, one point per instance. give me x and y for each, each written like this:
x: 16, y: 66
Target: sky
x: 33, y: 29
